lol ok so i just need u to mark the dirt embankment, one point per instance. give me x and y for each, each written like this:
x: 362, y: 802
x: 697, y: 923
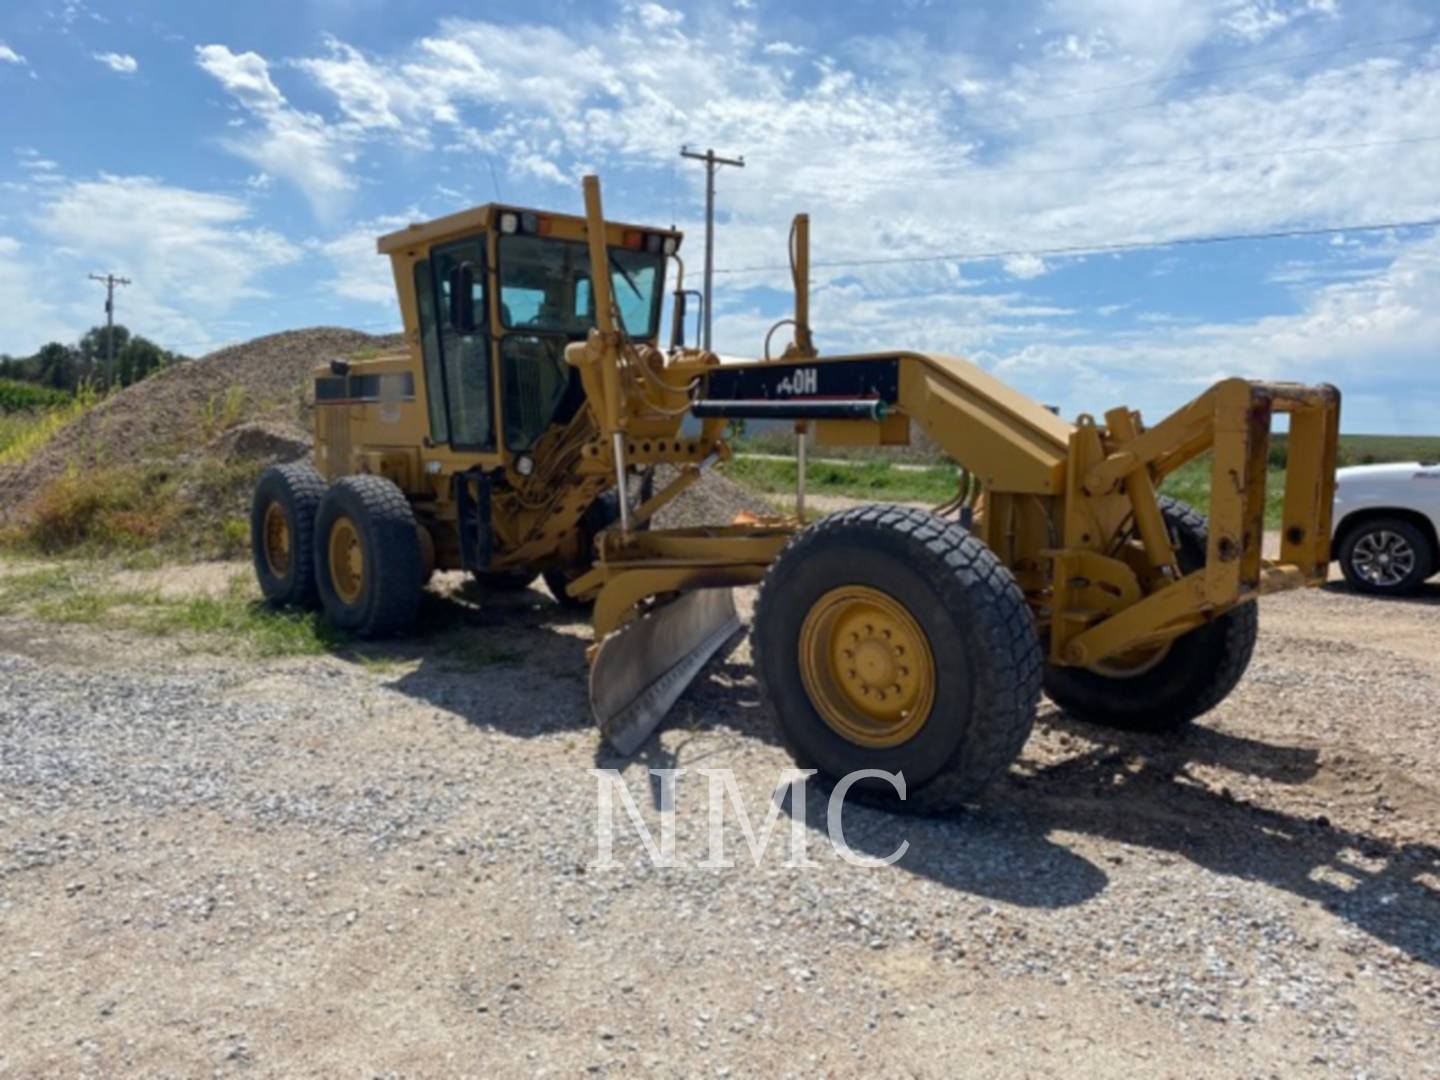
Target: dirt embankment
x: 199, y: 432
x: 183, y: 408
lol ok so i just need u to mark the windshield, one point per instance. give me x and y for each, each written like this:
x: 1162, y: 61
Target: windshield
x: 545, y: 287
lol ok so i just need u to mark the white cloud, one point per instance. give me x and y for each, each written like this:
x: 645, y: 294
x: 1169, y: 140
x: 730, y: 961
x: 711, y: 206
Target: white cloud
x: 293, y: 145
x: 899, y: 144
x: 360, y: 273
x: 1375, y: 335
x: 1025, y: 266
x: 361, y: 90
x: 10, y: 56
x: 192, y: 255
x: 1254, y: 20
x: 655, y: 17
x: 30, y: 319
x: 119, y: 62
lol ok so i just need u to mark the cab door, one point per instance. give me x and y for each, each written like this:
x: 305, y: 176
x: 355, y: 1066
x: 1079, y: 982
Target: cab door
x: 465, y: 343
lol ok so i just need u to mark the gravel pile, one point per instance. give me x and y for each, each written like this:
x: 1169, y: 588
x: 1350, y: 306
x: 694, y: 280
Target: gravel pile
x: 252, y: 402
x: 712, y: 500
x: 268, y: 378
x: 217, y: 865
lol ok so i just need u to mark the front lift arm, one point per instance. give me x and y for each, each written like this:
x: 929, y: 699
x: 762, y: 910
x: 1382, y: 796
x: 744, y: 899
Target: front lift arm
x: 1072, y: 509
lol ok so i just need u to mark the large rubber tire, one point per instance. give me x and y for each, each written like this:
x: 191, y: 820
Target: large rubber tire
x: 293, y: 492
x: 1378, y: 537
x: 383, y: 523
x: 981, y: 634
x: 1197, y: 673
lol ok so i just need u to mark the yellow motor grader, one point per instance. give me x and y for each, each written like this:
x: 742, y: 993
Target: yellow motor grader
x: 505, y: 439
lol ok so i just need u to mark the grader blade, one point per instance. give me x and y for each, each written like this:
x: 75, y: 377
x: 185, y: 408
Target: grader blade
x: 641, y: 669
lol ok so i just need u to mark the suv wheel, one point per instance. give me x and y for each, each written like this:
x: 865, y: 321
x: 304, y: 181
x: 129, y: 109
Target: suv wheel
x: 1387, y: 557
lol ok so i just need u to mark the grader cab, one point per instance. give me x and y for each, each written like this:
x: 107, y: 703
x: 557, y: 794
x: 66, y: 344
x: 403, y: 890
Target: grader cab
x: 505, y: 438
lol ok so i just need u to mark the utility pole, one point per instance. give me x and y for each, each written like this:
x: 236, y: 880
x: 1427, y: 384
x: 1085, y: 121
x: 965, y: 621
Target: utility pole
x: 109, y: 281
x: 711, y: 164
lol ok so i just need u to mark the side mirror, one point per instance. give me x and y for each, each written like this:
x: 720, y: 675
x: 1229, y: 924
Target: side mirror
x: 462, y: 297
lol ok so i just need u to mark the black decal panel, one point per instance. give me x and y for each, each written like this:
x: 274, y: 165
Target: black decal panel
x: 843, y: 380
x: 338, y: 389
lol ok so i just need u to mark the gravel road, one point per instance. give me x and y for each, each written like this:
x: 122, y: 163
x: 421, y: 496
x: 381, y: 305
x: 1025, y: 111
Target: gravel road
x: 384, y: 866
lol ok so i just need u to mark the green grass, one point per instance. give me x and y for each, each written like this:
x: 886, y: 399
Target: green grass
x: 782, y: 443
x: 1354, y: 449
x: 883, y: 482
x: 879, y: 480
x: 1378, y: 449
x: 1191, y: 484
x: 233, y: 619
x: 863, y: 476
x: 17, y: 396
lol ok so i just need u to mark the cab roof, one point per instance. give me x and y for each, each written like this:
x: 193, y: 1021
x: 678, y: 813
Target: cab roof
x: 480, y: 218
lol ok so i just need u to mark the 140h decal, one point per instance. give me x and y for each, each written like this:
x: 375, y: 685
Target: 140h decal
x: 801, y: 381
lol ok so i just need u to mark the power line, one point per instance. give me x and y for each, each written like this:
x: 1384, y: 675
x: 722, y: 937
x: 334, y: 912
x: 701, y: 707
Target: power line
x: 1279, y: 151
x: 1097, y: 249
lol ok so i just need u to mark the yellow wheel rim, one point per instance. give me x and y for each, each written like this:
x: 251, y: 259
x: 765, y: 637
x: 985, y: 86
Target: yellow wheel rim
x: 347, y: 560
x: 275, y: 539
x: 867, y: 666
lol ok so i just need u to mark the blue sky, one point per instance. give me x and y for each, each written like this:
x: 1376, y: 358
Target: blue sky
x: 237, y: 160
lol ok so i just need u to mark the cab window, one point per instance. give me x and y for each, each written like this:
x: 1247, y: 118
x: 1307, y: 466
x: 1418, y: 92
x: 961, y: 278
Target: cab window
x: 465, y: 344
x: 430, y: 350
x: 545, y: 287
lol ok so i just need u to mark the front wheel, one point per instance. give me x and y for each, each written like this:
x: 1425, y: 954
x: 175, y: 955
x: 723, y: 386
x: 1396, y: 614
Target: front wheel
x: 889, y: 638
x: 1164, y: 688
x: 368, y: 560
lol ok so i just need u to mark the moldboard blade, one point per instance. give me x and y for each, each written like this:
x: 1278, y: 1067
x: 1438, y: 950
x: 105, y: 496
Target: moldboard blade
x: 641, y: 669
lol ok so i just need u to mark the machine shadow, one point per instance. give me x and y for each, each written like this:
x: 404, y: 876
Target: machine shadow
x: 1137, y: 789
x: 483, y: 656
x: 1126, y: 788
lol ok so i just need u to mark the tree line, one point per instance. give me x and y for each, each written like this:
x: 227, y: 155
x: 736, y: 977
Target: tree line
x: 68, y: 367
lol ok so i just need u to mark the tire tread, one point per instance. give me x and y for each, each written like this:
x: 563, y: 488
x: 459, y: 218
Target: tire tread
x: 306, y: 489
x: 970, y: 578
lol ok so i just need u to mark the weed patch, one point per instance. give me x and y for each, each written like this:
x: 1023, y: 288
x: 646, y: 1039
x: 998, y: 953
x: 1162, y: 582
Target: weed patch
x: 25, y: 432
x: 184, y: 509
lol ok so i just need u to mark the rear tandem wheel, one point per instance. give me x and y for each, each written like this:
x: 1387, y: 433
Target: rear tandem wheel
x: 282, y: 527
x: 368, y: 561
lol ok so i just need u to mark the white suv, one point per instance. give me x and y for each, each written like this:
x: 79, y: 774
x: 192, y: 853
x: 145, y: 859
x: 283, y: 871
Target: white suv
x: 1386, y: 519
